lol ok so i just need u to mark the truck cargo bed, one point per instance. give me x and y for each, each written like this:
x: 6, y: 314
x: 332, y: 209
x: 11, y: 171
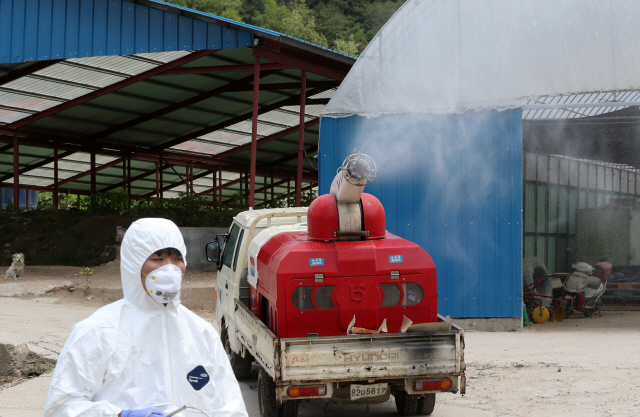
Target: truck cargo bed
x: 350, y: 357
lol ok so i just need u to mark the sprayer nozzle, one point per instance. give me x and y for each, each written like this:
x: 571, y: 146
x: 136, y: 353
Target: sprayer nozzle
x: 358, y: 169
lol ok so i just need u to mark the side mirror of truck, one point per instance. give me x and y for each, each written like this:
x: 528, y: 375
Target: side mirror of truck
x: 212, y: 251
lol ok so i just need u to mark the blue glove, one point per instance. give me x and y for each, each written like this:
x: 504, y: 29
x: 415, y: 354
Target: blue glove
x: 142, y: 413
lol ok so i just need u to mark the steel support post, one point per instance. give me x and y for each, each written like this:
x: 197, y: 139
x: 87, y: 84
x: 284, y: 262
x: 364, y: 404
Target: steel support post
x: 214, y: 195
x: 161, y: 178
x: 124, y: 173
x: 265, y: 190
x: 254, y: 132
x: 191, y: 177
x: 220, y: 183
x: 16, y: 172
x: 55, y: 177
x: 272, y: 187
x: 303, y: 95
x: 93, y: 172
x: 157, y: 180
x: 128, y: 183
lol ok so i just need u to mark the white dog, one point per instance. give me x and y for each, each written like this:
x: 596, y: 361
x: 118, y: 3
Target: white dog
x: 17, y: 266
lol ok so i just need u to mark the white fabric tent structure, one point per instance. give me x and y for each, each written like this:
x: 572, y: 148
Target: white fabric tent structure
x: 449, y: 56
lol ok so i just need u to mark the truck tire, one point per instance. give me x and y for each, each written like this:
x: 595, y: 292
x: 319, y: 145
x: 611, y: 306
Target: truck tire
x: 406, y: 404
x: 426, y: 404
x: 241, y: 366
x: 267, y: 399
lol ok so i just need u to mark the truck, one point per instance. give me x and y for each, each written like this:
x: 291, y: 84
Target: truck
x: 332, y: 306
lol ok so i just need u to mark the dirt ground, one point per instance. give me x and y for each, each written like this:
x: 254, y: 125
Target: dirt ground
x: 579, y: 367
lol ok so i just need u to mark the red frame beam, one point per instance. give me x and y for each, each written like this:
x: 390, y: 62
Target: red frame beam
x: 175, y: 158
x: 288, y: 158
x: 37, y: 165
x: 98, y: 93
x: 222, y: 68
x: 276, y: 56
x: 303, y: 94
x: 174, y: 107
x: 16, y: 172
x: 91, y: 172
x: 132, y: 179
x: 55, y: 177
x: 182, y: 182
x: 222, y: 187
x: 254, y: 132
x: 241, y: 118
x: 266, y: 139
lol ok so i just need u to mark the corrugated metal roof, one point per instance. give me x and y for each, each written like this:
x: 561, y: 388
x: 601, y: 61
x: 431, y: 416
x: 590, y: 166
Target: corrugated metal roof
x: 197, y: 115
x: 591, y: 104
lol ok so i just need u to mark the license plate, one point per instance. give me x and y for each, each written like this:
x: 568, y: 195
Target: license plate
x: 369, y: 390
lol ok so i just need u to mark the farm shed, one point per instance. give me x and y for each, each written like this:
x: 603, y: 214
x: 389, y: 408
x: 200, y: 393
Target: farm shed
x: 155, y: 100
x: 492, y: 123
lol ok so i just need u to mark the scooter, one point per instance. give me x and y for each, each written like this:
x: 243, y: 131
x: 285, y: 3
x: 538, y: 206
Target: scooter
x: 584, y: 287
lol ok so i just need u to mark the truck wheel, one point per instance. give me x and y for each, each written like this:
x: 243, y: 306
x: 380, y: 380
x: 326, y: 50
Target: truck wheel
x: 241, y: 366
x: 289, y: 409
x: 267, y: 399
x: 426, y: 404
x: 406, y: 404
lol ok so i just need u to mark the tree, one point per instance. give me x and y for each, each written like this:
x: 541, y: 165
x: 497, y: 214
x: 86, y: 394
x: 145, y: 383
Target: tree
x: 295, y: 20
x: 229, y: 9
x: 344, y: 25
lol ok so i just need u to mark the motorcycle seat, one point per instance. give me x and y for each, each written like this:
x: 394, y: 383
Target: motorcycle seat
x: 593, y: 283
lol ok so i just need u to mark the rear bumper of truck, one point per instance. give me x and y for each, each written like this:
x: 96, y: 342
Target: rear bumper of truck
x: 395, y: 359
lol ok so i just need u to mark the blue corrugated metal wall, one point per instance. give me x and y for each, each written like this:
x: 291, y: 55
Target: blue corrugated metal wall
x: 6, y: 197
x: 452, y: 184
x: 55, y: 29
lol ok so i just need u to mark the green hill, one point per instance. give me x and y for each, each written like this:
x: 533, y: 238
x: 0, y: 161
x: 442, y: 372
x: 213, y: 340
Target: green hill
x: 344, y: 25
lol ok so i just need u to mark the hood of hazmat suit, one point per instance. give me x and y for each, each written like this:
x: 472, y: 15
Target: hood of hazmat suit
x: 137, y: 353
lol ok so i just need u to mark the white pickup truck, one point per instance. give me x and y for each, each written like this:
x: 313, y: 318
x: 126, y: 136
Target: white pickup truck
x: 350, y: 368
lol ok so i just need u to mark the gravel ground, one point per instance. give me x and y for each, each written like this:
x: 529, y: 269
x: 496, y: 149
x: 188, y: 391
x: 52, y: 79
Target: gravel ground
x: 579, y: 367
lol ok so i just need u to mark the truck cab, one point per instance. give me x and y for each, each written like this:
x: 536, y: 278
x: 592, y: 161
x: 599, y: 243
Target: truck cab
x: 233, y: 266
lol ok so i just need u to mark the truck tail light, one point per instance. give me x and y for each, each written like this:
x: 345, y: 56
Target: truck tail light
x: 432, y: 385
x: 308, y: 391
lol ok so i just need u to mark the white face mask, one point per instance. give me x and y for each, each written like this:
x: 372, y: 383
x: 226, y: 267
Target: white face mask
x: 163, y: 284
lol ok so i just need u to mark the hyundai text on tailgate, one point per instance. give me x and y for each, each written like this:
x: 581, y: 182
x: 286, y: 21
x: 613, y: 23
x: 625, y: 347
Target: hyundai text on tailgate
x: 332, y: 306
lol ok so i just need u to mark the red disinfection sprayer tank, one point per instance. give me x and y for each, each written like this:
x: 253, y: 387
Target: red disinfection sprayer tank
x: 342, y: 272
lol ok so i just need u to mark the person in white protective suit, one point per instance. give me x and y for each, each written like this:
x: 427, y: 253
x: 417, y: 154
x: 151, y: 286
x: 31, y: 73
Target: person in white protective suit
x: 145, y: 355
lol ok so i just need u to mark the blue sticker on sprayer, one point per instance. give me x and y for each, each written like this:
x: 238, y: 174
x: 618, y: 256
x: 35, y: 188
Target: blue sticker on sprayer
x: 316, y: 261
x: 198, y: 378
x: 395, y: 259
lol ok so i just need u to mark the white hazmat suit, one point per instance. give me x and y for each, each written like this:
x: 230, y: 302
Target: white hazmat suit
x: 137, y: 353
